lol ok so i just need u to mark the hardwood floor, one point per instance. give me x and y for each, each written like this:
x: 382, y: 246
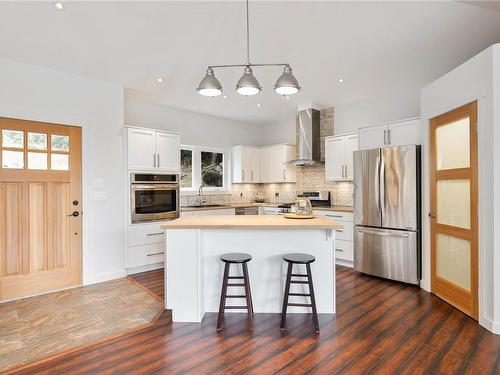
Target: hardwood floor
x: 381, y: 327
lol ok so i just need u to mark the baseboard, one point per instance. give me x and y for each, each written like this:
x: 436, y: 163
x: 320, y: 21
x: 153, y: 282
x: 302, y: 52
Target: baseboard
x: 490, y: 325
x: 344, y: 263
x: 105, y: 277
x: 149, y: 267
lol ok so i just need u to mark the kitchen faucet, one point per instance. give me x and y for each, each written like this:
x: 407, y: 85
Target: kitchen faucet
x: 200, y: 193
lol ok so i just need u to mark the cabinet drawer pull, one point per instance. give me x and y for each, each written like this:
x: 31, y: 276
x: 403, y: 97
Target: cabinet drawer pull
x: 150, y: 255
x: 338, y: 216
x: 339, y: 250
x: 339, y: 230
x: 154, y: 234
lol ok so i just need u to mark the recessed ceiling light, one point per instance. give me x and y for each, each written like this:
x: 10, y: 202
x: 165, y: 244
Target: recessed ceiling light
x: 341, y: 80
x: 287, y: 97
x: 258, y: 104
x: 159, y: 79
x: 224, y: 96
x: 59, y: 5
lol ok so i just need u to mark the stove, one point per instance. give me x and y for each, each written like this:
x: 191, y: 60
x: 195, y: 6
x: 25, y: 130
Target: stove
x: 284, y: 208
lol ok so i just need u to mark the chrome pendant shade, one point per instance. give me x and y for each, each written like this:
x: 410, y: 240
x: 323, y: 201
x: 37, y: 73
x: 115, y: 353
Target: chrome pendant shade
x: 248, y: 85
x: 210, y: 85
x: 287, y: 84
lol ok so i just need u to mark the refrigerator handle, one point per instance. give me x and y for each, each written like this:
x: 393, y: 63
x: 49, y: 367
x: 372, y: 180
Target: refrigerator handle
x: 383, y: 234
x: 377, y: 184
x: 382, y: 186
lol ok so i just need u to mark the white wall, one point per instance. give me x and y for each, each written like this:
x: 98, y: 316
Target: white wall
x: 472, y: 81
x: 195, y: 128
x: 396, y: 106
x: 349, y: 118
x: 38, y: 94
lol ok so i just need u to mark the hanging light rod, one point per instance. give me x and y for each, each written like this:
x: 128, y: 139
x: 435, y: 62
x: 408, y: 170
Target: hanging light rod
x: 247, y: 85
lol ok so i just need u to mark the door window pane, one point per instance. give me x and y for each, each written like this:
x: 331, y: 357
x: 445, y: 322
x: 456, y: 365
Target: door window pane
x: 59, y: 162
x: 212, y: 173
x: 37, y: 160
x: 12, y: 159
x: 453, y: 260
x: 37, y: 141
x: 453, y: 145
x: 453, y: 203
x: 60, y: 142
x: 186, y: 168
x: 12, y: 138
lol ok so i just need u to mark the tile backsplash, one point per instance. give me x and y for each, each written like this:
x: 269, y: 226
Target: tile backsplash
x: 309, y: 178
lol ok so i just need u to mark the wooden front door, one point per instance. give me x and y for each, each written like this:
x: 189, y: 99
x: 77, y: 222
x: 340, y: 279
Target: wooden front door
x: 40, y: 188
x: 454, y: 199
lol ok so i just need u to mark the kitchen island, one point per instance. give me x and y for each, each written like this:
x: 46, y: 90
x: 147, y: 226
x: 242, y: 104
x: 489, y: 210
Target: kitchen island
x: 194, y: 271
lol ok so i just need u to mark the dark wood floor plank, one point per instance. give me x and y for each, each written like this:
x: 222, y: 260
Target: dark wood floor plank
x: 381, y: 327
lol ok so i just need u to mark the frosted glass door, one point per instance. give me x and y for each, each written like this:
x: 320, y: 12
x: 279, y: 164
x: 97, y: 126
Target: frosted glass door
x: 454, y: 208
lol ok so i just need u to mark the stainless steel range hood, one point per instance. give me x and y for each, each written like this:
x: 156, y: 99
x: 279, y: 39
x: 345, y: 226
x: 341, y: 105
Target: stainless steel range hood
x: 309, y: 139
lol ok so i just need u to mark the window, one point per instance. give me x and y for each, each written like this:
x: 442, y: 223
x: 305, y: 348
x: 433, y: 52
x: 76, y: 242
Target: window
x: 35, y: 151
x: 212, y: 169
x: 203, y: 166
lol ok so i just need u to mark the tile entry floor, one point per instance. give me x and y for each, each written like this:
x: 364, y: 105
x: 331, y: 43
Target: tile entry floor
x: 38, y: 327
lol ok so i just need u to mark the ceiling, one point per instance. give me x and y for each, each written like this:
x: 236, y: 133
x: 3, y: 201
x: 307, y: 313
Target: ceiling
x: 377, y: 47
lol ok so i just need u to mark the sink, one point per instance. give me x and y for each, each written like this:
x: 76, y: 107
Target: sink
x: 206, y: 205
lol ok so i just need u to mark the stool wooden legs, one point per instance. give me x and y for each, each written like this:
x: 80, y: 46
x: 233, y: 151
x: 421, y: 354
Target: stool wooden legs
x: 285, y: 298
x: 224, y: 296
x: 287, y: 295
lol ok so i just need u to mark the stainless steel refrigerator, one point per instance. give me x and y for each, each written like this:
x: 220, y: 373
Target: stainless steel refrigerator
x: 387, y: 213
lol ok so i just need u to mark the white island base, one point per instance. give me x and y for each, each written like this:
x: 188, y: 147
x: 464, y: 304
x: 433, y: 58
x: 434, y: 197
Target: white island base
x: 194, y: 270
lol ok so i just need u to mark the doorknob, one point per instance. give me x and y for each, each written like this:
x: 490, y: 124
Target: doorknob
x: 74, y: 214
x: 432, y: 215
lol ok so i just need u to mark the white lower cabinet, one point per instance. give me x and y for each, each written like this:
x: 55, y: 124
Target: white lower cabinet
x: 344, y: 238
x: 145, y: 246
x: 139, y: 256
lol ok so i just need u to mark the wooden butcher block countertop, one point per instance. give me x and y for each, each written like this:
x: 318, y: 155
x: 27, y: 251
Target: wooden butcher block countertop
x: 250, y: 222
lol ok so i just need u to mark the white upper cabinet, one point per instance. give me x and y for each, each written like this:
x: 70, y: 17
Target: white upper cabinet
x: 351, y: 144
x: 141, y: 149
x: 246, y: 164
x: 405, y: 133
x: 266, y: 164
x: 372, y: 137
x: 339, y: 155
x: 408, y: 132
x: 153, y: 150
x: 166, y: 144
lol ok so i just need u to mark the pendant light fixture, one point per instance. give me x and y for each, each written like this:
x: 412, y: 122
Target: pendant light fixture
x: 248, y: 85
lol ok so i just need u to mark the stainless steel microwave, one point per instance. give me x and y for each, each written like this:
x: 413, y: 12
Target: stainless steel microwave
x: 154, y: 197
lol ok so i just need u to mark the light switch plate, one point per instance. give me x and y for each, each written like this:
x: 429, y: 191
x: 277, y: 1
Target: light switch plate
x: 98, y: 183
x: 100, y: 195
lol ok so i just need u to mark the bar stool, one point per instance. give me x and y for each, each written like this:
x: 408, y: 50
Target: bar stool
x: 299, y: 258
x: 228, y: 259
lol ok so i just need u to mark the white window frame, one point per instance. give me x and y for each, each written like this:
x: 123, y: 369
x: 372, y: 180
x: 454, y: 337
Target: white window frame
x: 196, y: 170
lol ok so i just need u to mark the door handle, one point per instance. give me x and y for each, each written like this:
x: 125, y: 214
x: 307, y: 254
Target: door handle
x: 74, y: 214
x: 382, y: 234
x: 252, y: 175
x: 158, y: 158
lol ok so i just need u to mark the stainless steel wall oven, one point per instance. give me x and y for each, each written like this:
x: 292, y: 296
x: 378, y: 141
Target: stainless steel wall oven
x: 154, y: 197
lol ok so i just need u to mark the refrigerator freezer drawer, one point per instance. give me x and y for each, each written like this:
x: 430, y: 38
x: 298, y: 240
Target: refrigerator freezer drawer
x: 391, y: 254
